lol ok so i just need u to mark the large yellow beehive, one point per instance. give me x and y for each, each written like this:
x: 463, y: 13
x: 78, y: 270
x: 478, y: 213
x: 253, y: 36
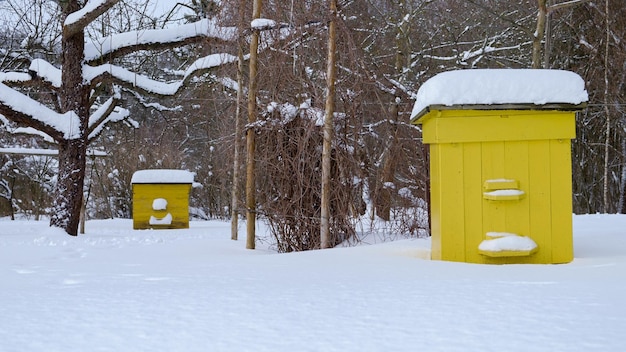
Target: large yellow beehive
x: 501, y: 187
x: 161, y: 199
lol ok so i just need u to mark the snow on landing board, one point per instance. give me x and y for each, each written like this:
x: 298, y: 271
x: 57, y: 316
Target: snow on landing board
x: 501, y: 86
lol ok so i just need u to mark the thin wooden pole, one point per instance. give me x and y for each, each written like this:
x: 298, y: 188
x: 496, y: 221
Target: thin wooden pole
x: 328, y: 129
x: 234, y: 203
x: 250, y: 140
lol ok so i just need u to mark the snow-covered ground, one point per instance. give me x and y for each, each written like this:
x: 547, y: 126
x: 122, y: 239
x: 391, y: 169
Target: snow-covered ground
x: 115, y: 289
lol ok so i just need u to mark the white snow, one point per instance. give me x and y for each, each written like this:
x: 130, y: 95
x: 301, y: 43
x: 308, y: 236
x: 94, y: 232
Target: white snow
x: 67, y: 123
x: 505, y: 192
x: 41, y: 151
x: 159, y: 204
x: 500, y: 234
x: 262, y: 23
x: 46, y: 71
x: 166, y: 220
x: 501, y: 86
x: 29, y: 151
x: 508, y: 243
x: 115, y: 289
x: 90, y: 6
x: 14, y: 77
x: 206, y: 27
x: 154, y: 86
x: 162, y: 176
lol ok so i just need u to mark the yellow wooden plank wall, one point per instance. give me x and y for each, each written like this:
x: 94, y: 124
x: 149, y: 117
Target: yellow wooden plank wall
x: 472, y: 165
x: 561, y: 187
x: 461, y: 216
x: 177, y: 196
x: 435, y: 203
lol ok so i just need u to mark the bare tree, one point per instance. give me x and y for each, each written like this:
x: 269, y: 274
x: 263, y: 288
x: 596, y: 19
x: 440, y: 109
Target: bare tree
x: 250, y: 141
x: 607, y: 111
x: 234, y: 211
x: 544, y: 9
x: 75, y: 118
x: 328, y: 127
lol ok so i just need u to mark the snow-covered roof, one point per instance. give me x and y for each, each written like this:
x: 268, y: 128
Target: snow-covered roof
x: 162, y: 176
x: 500, y: 87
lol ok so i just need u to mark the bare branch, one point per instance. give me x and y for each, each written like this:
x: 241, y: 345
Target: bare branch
x: 562, y: 5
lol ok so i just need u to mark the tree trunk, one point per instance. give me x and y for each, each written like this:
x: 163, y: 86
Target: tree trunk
x: 69, y: 187
x: 547, y: 50
x: 622, y: 198
x: 605, y: 186
x: 383, y: 202
x: 325, y: 241
x: 11, y: 199
x: 74, y: 96
x: 234, y: 203
x: 250, y: 138
x: 545, y: 7
x: 542, y: 14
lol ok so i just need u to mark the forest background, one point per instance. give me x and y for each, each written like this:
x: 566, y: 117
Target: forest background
x: 385, y: 51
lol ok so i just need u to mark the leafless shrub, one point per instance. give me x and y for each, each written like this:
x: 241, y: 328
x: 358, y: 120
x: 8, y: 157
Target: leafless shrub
x: 290, y: 180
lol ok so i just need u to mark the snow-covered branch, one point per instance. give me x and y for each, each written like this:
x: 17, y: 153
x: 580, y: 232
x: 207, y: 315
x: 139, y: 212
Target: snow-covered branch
x: 261, y: 24
x: 115, y: 114
x: 46, y: 71
x: 18, y: 77
x: 128, y: 78
x: 22, y: 109
x: 124, y: 43
x: 153, y: 105
x: 77, y: 21
x: 30, y: 131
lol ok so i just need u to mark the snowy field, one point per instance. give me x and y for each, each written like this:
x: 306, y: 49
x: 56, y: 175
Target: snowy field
x: 115, y: 289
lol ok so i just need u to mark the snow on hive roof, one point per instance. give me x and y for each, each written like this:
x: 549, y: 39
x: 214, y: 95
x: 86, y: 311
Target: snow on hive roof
x: 501, y: 86
x: 162, y: 176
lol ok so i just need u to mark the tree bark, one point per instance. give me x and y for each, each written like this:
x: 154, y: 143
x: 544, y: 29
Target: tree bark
x: 545, y: 7
x: 607, y: 146
x: 383, y: 204
x: 234, y: 204
x: 325, y: 241
x: 622, y: 198
x: 250, y: 137
x: 74, y: 96
x: 69, y: 187
x: 542, y: 14
x: 547, y: 50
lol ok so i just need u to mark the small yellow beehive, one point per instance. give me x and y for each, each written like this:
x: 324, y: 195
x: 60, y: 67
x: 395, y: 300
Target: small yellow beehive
x: 161, y: 199
x: 500, y: 164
